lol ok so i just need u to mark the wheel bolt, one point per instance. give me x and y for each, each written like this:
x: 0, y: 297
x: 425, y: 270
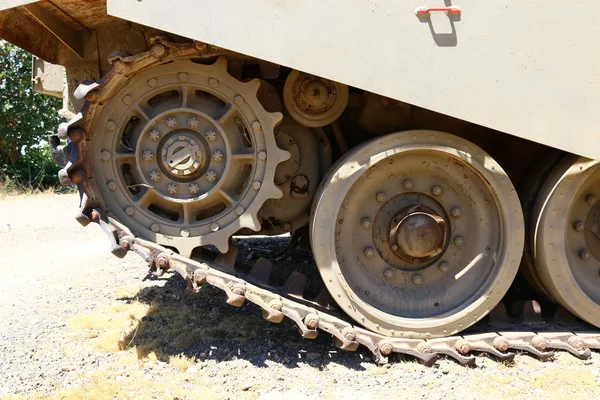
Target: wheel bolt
x: 578, y: 226
x: 183, y: 77
x: 443, y: 266
x: 262, y: 156
x: 211, y: 176
x: 155, y: 176
x: 112, y: 186
x: 256, y: 185
x: 239, y: 100
x: 152, y: 82
x: 172, y: 188
x: 111, y: 126
x: 194, y: 188
x: 105, y: 155
x: 436, y: 190
x: 381, y: 197
x: 185, y: 233
x: 366, y: 223
x: 456, y: 212
x: 369, y: 252
x: 217, y: 155
x: 129, y: 211
x: 154, y: 227
x: 388, y: 273
x: 239, y: 210
x: 213, y: 83
x: 214, y: 227
x: 395, y: 247
x: 256, y: 126
x: 585, y: 254
x: 459, y: 241
x: 408, y: 184
x: 211, y: 136
x: 154, y: 135
x: 193, y: 122
x: 591, y: 199
x: 171, y: 122
x: 148, y: 156
x: 417, y: 280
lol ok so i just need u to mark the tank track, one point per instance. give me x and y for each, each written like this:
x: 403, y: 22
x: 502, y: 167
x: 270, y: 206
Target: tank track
x: 498, y: 338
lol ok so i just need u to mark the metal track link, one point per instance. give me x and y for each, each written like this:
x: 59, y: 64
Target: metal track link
x: 276, y: 303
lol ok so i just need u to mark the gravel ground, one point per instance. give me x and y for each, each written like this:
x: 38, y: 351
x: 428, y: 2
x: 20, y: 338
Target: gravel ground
x: 196, y: 346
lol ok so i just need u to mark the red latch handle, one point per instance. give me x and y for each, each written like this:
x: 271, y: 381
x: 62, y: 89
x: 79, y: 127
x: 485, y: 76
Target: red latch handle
x: 452, y: 10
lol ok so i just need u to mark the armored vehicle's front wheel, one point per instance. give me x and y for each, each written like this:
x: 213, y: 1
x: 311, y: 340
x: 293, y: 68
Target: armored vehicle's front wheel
x: 417, y: 234
x: 565, y: 236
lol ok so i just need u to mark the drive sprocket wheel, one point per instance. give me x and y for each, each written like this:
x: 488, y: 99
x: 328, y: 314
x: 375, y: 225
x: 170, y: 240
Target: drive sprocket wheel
x: 185, y: 155
x: 565, y: 236
x: 417, y: 234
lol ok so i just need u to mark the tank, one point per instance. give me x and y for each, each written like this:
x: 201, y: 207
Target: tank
x: 438, y: 159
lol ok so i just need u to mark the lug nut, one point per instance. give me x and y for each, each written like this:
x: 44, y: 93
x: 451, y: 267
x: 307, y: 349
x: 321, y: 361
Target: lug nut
x: 172, y: 188
x: 171, y: 122
x: 585, y: 254
x: 395, y: 247
x: 211, y: 136
x: 127, y: 100
x: 408, y: 184
x: 193, y: 122
x: 591, y: 199
x: 154, y: 135
x: 417, y: 280
x: 217, y: 155
x: 185, y: 233
x: 183, y: 77
x: 129, y: 211
x: 239, y: 100
x: 211, y: 176
x: 239, y: 210
x: 154, y: 227
x: 155, y: 176
x: 110, y: 125
x: 194, y: 188
x: 256, y: 185
x: 112, y: 186
x: 148, y: 156
x: 456, y: 212
x: 105, y: 155
x: 262, y: 156
x: 388, y: 273
x: 366, y: 223
x: 369, y: 252
x: 381, y: 197
x: 214, y: 227
x: 256, y: 126
x: 459, y: 241
x: 152, y: 82
x: 444, y: 266
x: 213, y: 83
x: 436, y: 190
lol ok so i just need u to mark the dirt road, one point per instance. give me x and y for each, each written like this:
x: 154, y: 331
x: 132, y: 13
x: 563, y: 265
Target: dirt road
x: 76, y: 322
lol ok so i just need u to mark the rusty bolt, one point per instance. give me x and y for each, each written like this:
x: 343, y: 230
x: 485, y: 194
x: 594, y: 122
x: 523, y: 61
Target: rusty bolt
x: 119, y: 66
x: 578, y: 226
x: 369, y: 252
x: 77, y: 176
x: 311, y: 321
x: 462, y: 346
x: 256, y: 126
x: 385, y: 348
x: 459, y: 241
x: 417, y: 280
x: 585, y: 254
x: 112, y: 185
x: 162, y: 261
x: 349, y: 334
x: 381, y: 197
x: 199, y: 277
x: 539, y: 342
x: 239, y: 100
x: 124, y: 243
x: 388, y: 273
x: 436, y: 190
x: 154, y: 135
x: 171, y: 122
x: 155, y: 227
x: 193, y: 122
x: 408, y: 184
x: 211, y: 176
x: 501, y: 344
x: 456, y: 212
x: 92, y: 96
x: 591, y: 199
x: 76, y: 135
x: 105, y: 155
x: 576, y: 343
x: 238, y: 290
x: 366, y: 223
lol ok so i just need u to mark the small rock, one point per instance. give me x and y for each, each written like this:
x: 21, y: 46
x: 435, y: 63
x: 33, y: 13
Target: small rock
x: 246, y: 386
x: 250, y: 256
x: 445, y: 371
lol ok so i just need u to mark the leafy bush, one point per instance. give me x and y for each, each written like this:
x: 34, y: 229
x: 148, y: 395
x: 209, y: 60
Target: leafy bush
x: 26, y: 119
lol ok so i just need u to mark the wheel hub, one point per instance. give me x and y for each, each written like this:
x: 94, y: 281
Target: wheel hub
x: 417, y: 234
x: 183, y: 155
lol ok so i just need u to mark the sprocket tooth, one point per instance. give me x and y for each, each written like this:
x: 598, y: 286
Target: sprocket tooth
x: 324, y: 299
x: 227, y: 260
x: 261, y: 271
x: 295, y: 284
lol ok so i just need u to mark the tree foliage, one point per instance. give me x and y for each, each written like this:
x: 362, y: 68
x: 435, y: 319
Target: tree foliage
x: 26, y: 120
